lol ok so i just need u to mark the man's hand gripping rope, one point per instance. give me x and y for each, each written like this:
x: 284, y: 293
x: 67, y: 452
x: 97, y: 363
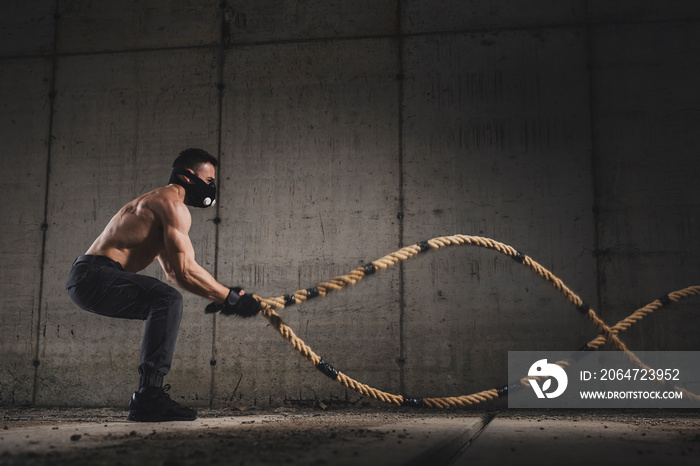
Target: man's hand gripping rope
x: 237, y: 303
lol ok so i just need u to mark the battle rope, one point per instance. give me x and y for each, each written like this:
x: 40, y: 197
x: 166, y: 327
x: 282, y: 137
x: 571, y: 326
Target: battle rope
x: 606, y: 333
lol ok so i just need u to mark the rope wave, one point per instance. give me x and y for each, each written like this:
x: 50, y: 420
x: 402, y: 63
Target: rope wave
x: 606, y: 333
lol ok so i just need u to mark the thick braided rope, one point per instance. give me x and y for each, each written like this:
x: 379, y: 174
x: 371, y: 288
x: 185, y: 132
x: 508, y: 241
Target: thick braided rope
x: 642, y: 312
x: 308, y: 354
x: 626, y: 323
x: 638, y: 315
x: 606, y: 333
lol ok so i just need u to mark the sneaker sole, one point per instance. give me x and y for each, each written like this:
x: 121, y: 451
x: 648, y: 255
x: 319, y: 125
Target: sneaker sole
x: 156, y: 417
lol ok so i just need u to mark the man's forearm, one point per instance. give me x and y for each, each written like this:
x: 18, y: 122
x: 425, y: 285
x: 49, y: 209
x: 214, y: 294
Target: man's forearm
x: 200, y: 282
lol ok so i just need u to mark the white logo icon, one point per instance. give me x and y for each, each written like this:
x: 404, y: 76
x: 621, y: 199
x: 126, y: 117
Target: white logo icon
x: 542, y: 369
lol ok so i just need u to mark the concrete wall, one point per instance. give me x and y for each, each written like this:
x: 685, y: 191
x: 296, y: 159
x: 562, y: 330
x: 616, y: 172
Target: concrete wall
x: 345, y: 130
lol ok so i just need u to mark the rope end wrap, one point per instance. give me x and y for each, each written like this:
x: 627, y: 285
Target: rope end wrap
x: 289, y: 299
x: 504, y: 390
x: 582, y: 352
x: 312, y: 292
x: 327, y: 369
x: 665, y: 300
x: 519, y: 257
x: 424, y: 246
x: 369, y: 269
x: 412, y: 402
x: 583, y: 309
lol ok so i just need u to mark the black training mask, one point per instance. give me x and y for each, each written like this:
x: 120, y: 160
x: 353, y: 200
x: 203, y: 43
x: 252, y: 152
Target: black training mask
x: 200, y: 193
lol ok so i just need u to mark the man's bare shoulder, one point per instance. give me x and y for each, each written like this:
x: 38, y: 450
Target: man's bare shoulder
x: 167, y: 204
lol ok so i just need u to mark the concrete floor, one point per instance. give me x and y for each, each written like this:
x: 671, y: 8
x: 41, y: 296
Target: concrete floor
x: 366, y: 436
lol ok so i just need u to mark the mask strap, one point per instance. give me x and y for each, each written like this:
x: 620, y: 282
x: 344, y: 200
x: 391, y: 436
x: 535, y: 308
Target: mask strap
x: 181, y: 171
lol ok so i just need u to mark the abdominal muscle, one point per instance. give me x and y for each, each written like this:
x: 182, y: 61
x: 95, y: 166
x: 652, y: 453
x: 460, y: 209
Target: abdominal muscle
x: 134, y: 236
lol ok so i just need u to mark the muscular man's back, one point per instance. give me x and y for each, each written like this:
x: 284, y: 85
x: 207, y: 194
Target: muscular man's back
x: 134, y: 236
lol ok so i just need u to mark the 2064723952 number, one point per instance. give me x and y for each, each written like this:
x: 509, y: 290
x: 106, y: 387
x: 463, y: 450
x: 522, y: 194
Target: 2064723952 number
x: 639, y: 374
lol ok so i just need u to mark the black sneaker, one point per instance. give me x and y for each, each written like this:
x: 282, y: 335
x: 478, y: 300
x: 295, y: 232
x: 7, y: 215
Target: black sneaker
x: 158, y: 407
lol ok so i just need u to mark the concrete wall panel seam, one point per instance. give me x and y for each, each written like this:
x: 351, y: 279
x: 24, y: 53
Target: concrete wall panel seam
x: 45, y: 225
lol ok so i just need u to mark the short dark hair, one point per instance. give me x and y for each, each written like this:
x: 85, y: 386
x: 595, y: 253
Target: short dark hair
x: 192, y: 158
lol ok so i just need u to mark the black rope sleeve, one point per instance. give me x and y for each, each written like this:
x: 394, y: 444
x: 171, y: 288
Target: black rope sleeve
x: 665, y: 300
x: 327, y: 369
x: 424, y: 246
x: 413, y: 402
x: 312, y: 292
x: 581, y: 353
x: 369, y: 269
x: 289, y: 299
x: 519, y: 257
x: 504, y: 390
x: 585, y: 348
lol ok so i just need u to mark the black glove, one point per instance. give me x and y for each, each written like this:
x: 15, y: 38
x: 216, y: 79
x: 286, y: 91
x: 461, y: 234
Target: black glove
x: 243, y: 305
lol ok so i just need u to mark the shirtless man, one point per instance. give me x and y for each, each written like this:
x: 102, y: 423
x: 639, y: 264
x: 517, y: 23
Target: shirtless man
x: 105, y: 281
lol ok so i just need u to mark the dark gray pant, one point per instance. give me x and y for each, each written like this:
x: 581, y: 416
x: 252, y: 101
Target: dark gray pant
x: 100, y: 285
